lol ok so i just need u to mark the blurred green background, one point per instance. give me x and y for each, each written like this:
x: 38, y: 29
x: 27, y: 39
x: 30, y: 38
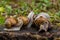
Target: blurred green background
x: 23, y: 7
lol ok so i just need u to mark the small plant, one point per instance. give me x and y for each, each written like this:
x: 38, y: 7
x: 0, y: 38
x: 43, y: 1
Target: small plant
x: 8, y: 9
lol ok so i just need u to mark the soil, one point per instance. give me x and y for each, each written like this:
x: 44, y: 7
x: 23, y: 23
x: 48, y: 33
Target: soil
x: 30, y: 34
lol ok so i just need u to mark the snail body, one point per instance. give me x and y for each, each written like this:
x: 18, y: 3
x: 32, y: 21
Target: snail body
x: 31, y: 19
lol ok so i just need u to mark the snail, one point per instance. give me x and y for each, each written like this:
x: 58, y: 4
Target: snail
x: 42, y: 21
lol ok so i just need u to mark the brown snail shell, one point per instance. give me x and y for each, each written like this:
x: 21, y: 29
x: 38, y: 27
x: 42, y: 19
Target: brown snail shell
x: 40, y: 20
x: 10, y: 22
x: 24, y: 19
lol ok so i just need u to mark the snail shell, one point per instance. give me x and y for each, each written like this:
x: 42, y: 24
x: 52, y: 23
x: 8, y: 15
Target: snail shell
x: 10, y: 21
x: 24, y: 19
x: 42, y: 21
